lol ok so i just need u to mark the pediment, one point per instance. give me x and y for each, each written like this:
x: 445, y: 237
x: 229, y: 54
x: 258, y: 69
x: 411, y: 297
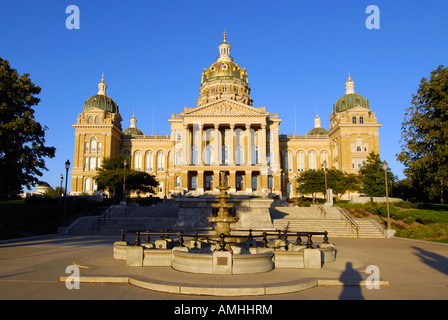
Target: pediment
x: 224, y: 107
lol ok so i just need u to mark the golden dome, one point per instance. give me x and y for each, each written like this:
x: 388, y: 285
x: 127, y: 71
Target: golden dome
x: 224, y: 70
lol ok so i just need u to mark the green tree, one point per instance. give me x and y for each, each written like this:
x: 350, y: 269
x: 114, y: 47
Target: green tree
x: 424, y: 136
x: 341, y: 182
x: 22, y: 138
x: 311, y: 182
x: 373, y: 178
x: 112, y: 173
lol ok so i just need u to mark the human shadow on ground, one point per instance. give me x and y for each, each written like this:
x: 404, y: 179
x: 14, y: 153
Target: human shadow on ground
x: 351, y: 280
x: 434, y: 260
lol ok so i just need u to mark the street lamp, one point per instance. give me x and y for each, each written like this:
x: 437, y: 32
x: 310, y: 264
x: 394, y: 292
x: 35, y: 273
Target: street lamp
x: 62, y: 180
x: 124, y: 179
x: 387, y: 194
x: 324, y: 164
x: 67, y: 166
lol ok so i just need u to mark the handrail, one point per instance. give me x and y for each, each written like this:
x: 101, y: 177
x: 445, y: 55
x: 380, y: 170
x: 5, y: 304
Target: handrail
x: 212, y: 238
x: 322, y: 210
x: 350, y: 220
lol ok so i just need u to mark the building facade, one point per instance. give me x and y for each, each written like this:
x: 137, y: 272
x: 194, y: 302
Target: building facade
x: 224, y: 132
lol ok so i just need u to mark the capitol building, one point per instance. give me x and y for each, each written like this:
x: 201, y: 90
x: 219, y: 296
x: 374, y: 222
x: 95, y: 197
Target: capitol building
x: 224, y: 132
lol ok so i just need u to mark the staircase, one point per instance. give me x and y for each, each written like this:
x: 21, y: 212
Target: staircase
x: 164, y: 216
x: 161, y: 216
x: 332, y: 221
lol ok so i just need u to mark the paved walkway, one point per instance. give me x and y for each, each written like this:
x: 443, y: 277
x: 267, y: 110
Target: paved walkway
x: 32, y: 269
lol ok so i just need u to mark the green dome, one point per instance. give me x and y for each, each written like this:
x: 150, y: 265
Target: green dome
x: 133, y: 132
x: 350, y: 101
x: 102, y: 102
x: 318, y: 131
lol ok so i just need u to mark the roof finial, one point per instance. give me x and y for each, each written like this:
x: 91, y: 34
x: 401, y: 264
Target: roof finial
x: 102, y: 86
x: 224, y: 34
x: 349, y: 85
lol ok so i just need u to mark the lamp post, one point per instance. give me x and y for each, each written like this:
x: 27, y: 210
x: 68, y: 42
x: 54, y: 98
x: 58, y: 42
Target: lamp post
x: 387, y: 194
x: 324, y: 164
x: 67, y: 166
x: 62, y: 180
x: 124, y: 179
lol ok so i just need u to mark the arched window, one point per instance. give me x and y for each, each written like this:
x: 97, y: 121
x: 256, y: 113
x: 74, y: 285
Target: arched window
x: 194, y: 182
x: 178, y: 158
x: 178, y: 182
x: 149, y: 161
x: 92, y: 163
x: 358, y: 144
x: 239, y: 147
x: 93, y: 144
x: 138, y: 161
x: 90, y: 120
x: 312, y: 160
x: 225, y: 155
x: 288, y: 161
x: 178, y: 137
x: 87, y: 184
x: 161, y: 161
x: 224, y: 89
x: 361, y: 120
x: 194, y: 154
x: 86, y: 146
x: 254, y: 155
x: 354, y: 120
x: 300, y: 161
x: 324, y: 157
x: 97, y: 120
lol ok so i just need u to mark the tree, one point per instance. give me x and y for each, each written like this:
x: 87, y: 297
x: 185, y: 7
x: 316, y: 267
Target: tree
x: 341, y: 182
x: 22, y: 138
x: 424, y: 135
x: 112, y: 173
x: 311, y: 182
x: 373, y: 178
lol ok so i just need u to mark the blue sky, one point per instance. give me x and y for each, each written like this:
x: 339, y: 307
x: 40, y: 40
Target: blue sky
x: 153, y: 53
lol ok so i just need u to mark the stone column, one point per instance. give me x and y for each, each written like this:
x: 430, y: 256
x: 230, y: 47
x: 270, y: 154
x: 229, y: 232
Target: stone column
x: 199, y: 143
x: 200, y: 188
x: 216, y: 147
x: 262, y: 145
x: 231, y: 146
x: 249, y: 145
x: 232, y: 181
x: 248, y: 181
x: 185, y: 145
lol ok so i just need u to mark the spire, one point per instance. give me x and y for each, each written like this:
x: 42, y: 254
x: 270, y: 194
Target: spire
x: 349, y: 85
x: 317, y: 121
x: 224, y: 49
x: 102, y: 86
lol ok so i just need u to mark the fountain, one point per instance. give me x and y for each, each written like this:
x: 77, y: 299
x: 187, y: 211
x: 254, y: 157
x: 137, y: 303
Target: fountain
x: 222, y: 252
x: 223, y: 220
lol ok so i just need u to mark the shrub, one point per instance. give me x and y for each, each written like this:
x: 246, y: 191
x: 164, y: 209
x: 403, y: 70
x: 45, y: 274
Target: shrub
x: 433, y: 230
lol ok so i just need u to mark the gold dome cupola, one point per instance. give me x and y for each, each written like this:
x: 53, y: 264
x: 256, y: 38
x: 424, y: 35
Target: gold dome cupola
x: 224, y: 78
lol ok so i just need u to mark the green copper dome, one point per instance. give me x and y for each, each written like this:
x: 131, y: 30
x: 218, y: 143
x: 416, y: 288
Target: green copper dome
x: 318, y: 131
x: 101, y: 101
x: 133, y: 132
x: 350, y: 101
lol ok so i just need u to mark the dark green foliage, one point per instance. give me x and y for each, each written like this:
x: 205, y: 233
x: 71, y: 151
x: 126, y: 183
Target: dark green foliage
x: 424, y: 137
x: 22, y: 139
x: 373, y: 177
x: 112, y: 175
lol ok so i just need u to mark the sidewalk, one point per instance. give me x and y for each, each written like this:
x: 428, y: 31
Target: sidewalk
x: 32, y: 269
